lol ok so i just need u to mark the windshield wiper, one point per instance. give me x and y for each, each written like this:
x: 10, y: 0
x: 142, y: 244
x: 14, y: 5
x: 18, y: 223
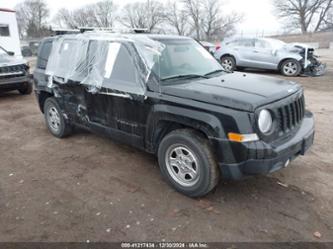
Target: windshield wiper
x: 215, y: 71
x: 187, y: 76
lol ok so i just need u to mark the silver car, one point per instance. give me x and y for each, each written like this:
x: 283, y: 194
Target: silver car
x: 265, y: 53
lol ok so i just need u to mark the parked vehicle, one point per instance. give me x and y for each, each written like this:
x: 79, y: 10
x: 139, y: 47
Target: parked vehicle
x: 168, y: 96
x: 14, y: 73
x: 26, y: 51
x: 264, y: 53
x: 33, y: 45
x: 211, y: 48
x: 9, y: 35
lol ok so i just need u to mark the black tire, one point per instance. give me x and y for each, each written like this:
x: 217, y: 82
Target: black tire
x: 63, y: 129
x: 290, y: 68
x: 26, y: 90
x: 207, y: 168
x: 228, y: 63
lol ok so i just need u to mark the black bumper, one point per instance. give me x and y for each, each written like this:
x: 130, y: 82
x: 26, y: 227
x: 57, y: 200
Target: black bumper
x: 279, y: 154
x: 14, y: 83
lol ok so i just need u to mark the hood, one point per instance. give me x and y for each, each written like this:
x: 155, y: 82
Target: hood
x: 6, y: 60
x: 297, y: 47
x: 235, y: 90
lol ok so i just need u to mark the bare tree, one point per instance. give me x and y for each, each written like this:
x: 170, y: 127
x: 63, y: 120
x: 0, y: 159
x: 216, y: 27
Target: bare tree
x: 65, y: 18
x: 104, y: 13
x: 177, y: 18
x: 216, y: 24
x: 83, y: 16
x: 304, y: 14
x: 193, y: 8
x: 100, y: 14
x: 32, y: 17
x: 328, y: 23
x: 207, y: 19
x: 146, y: 15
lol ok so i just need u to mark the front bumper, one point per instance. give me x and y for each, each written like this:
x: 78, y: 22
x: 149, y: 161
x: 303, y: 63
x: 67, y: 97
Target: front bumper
x: 316, y: 68
x: 276, y: 154
x: 13, y: 83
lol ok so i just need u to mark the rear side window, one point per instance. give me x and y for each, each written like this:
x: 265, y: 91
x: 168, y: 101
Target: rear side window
x: 246, y: 43
x: 43, y: 55
x: 262, y: 44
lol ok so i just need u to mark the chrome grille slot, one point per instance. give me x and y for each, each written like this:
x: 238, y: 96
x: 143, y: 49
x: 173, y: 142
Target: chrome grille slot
x: 12, y: 71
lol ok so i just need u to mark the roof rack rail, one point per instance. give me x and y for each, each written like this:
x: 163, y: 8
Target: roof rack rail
x: 106, y: 29
x: 86, y: 29
x: 140, y: 30
x: 60, y: 31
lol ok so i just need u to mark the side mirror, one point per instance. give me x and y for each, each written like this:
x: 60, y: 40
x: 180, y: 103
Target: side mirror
x: 10, y: 53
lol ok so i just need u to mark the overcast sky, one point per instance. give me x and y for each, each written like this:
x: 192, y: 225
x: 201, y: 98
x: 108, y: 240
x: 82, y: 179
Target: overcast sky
x: 259, y: 16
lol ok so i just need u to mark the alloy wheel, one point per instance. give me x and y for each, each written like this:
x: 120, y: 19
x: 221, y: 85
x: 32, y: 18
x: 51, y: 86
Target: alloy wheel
x: 290, y: 68
x: 182, y: 165
x: 53, y: 119
x: 227, y: 64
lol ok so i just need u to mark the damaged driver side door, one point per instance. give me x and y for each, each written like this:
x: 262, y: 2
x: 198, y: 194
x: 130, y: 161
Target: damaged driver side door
x: 119, y: 108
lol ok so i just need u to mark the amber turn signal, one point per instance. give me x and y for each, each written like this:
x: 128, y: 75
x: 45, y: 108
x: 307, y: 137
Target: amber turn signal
x: 236, y: 137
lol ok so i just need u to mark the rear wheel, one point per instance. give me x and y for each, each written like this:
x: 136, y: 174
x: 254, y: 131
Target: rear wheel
x: 26, y: 89
x: 187, y: 162
x: 55, y: 121
x: 290, y: 67
x: 228, y: 63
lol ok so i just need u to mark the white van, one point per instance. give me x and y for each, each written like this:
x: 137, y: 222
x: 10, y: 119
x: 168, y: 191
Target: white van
x: 9, y: 35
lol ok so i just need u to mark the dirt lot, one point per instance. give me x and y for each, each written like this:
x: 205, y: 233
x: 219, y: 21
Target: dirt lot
x: 87, y: 187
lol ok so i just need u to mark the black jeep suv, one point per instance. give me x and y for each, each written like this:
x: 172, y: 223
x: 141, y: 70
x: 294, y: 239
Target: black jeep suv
x: 14, y: 73
x: 167, y: 95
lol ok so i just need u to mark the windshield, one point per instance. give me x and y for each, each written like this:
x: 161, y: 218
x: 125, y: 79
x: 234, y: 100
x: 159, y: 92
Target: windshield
x: 184, y: 57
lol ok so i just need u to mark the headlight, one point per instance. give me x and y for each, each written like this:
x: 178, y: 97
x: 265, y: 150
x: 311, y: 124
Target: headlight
x: 265, y: 121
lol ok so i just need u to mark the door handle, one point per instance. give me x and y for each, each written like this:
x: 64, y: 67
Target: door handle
x: 256, y: 51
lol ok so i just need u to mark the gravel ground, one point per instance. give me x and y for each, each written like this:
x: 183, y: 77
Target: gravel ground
x: 87, y: 187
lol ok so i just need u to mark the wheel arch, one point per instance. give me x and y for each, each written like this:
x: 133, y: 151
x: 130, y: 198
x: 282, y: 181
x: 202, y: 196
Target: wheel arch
x: 230, y: 55
x: 167, y: 119
x: 42, y: 96
x: 287, y: 58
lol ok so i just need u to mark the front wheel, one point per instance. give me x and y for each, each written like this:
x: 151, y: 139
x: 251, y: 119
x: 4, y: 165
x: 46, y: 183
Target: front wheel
x: 188, y: 163
x: 55, y: 121
x: 290, y: 67
x: 228, y: 63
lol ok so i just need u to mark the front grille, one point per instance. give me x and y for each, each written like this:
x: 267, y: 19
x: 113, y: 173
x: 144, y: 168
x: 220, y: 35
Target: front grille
x: 291, y: 115
x: 12, y: 71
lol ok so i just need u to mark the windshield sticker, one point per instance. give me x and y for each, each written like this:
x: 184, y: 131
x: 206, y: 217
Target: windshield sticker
x: 111, y: 58
x: 65, y: 46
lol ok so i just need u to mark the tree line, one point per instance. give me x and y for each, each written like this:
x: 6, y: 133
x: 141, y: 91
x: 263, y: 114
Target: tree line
x: 201, y: 19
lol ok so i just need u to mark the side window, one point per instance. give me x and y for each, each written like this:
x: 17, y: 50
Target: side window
x: 233, y: 43
x: 124, y: 73
x: 262, y: 44
x: 67, y: 57
x: 67, y: 53
x: 4, y: 30
x: 44, y: 55
x: 246, y: 43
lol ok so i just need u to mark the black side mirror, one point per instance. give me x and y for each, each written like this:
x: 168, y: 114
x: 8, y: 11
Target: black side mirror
x: 10, y: 53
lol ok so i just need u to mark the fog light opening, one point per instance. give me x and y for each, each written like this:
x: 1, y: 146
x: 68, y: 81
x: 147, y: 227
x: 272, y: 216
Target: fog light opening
x: 286, y: 163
